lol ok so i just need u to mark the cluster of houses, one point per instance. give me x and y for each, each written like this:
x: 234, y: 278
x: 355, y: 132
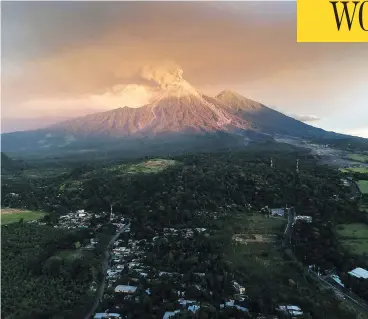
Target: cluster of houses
x: 128, y: 257
x: 185, y: 232
x: 78, y: 219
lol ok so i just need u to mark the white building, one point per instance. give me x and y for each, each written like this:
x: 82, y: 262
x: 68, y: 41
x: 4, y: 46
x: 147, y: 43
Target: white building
x: 307, y: 219
x: 359, y: 273
x: 126, y: 289
x: 278, y: 212
x: 169, y: 314
x: 294, y: 311
x: 239, y: 288
x: 106, y: 315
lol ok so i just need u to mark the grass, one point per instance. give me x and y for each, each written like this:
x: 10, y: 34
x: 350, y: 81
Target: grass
x: 359, y: 158
x: 10, y: 215
x: 147, y: 167
x: 363, y: 186
x: 267, y: 225
x: 151, y: 166
x: 362, y: 170
x: 354, y: 237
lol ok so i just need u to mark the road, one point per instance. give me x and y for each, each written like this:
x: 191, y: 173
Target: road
x: 105, y: 265
x: 359, y: 305
x: 289, y: 227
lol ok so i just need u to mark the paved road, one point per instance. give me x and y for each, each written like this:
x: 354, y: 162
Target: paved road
x: 105, y: 266
x: 360, y: 305
x: 289, y: 227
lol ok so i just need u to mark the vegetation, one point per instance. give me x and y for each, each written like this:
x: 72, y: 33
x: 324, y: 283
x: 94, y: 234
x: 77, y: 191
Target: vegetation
x: 359, y: 157
x: 363, y: 186
x: 224, y: 192
x: 363, y: 170
x: 38, y: 282
x: 15, y: 215
x: 354, y: 237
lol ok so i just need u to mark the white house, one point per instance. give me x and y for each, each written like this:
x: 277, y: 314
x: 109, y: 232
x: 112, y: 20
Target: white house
x: 106, y: 315
x: 359, y: 273
x: 231, y: 303
x: 126, y: 289
x: 294, y: 311
x: 307, y: 219
x: 239, y: 288
x: 278, y: 212
x: 169, y: 314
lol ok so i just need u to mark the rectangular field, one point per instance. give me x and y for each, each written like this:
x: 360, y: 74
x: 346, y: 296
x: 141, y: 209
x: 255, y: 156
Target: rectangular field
x: 363, y: 186
x: 354, y: 237
x: 11, y: 215
x: 362, y: 170
x: 359, y: 157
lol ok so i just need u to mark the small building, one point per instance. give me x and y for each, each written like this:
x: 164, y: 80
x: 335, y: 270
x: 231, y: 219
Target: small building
x: 277, y: 212
x: 239, y: 288
x: 106, y: 315
x: 126, y: 289
x: 359, y: 273
x: 307, y: 219
x: 294, y: 311
x: 337, y: 279
x: 169, y: 314
x: 231, y: 304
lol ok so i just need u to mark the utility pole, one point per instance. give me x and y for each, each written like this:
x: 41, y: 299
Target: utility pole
x: 297, y: 165
x: 111, y: 214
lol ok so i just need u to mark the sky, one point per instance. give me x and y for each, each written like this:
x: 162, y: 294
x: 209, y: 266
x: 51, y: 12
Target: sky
x: 65, y: 59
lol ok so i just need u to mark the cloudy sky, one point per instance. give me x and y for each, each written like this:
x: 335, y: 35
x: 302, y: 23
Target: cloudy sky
x: 64, y: 59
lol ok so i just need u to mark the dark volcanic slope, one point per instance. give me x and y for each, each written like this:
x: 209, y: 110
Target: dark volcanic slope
x: 267, y: 120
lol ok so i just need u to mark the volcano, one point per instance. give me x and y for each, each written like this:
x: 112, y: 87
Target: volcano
x: 177, y: 110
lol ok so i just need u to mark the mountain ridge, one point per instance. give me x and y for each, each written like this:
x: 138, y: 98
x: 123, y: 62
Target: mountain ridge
x: 177, y: 110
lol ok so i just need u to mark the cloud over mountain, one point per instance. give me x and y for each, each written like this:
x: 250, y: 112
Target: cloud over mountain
x: 306, y: 118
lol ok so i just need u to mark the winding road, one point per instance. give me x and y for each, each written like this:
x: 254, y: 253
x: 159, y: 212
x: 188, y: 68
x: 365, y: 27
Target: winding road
x: 105, y: 266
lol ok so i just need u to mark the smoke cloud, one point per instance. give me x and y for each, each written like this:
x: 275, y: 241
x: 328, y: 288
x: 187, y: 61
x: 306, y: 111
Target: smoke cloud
x: 163, y: 74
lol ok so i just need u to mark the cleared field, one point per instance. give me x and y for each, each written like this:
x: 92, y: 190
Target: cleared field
x: 10, y: 215
x: 266, y: 225
x: 147, y: 167
x: 354, y: 237
x: 151, y: 166
x: 363, y: 186
x: 359, y: 157
x: 355, y: 170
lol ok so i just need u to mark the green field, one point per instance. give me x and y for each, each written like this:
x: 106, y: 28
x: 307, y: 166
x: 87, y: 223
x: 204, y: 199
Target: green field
x: 359, y: 157
x: 354, y: 237
x: 363, y: 186
x: 362, y: 170
x: 268, y: 225
x: 14, y: 215
x: 147, y: 167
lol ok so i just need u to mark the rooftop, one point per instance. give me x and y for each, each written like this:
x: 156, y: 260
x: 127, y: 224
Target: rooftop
x: 359, y: 273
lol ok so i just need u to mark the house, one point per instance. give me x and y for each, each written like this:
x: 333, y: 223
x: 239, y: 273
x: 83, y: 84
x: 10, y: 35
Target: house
x: 194, y: 308
x: 359, y: 273
x: 278, y: 212
x: 106, y: 315
x: 231, y: 303
x: 239, y: 288
x: 294, y: 311
x: 126, y: 289
x: 169, y: 314
x: 307, y: 219
x: 337, y: 279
